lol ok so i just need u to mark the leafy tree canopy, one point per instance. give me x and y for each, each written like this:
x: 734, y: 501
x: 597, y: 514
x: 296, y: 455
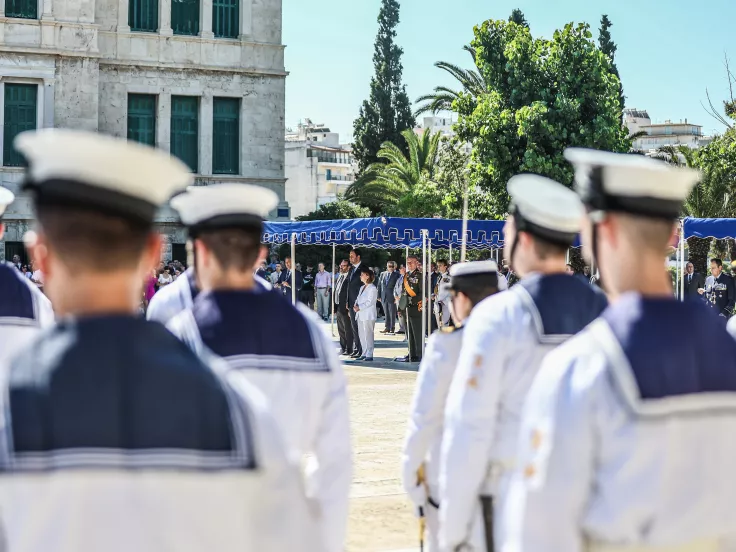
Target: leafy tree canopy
x: 337, y: 210
x: 608, y: 47
x: 517, y: 16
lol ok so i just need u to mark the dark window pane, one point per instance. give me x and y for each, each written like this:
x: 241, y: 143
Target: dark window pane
x: 226, y: 18
x: 225, y: 136
x: 142, y: 118
x: 143, y: 15
x: 20, y: 115
x: 185, y: 17
x: 25, y: 9
x: 185, y: 130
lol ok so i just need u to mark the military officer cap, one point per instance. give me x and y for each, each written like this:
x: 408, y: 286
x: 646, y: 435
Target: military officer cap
x: 467, y: 275
x: 71, y: 168
x: 224, y: 206
x: 545, y: 208
x: 629, y: 183
x: 6, y: 198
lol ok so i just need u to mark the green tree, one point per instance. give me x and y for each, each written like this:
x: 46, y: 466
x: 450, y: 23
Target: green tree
x: 387, y: 112
x: 608, y: 47
x: 543, y: 96
x: 337, y: 210
x: 383, y: 186
x: 517, y: 16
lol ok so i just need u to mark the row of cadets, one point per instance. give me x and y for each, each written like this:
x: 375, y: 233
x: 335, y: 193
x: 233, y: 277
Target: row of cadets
x: 467, y: 285
x: 24, y: 310
x: 504, y: 343
x: 115, y: 436
x: 626, y: 439
x: 300, y: 376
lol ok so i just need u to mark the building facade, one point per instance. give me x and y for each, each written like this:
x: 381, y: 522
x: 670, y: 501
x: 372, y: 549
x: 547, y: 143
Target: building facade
x: 203, y: 79
x: 662, y: 134
x: 318, y: 168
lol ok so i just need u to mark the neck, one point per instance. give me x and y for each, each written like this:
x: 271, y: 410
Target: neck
x: 95, y: 294
x: 554, y: 265
x: 649, y: 280
x: 230, y: 280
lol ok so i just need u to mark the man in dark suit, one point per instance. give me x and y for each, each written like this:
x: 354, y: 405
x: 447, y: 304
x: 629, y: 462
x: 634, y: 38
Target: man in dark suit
x: 285, y: 280
x: 344, y: 325
x: 386, y: 296
x: 693, y: 281
x: 354, y: 285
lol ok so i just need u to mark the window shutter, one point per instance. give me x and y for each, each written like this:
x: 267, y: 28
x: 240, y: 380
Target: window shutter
x: 185, y: 130
x: 20, y: 115
x: 226, y: 18
x: 143, y: 15
x: 185, y: 17
x: 142, y: 118
x: 226, y: 136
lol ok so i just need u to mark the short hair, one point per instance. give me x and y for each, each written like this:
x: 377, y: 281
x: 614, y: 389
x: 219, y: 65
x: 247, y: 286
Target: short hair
x: 546, y: 249
x: 442, y: 262
x: 648, y: 234
x: 357, y: 252
x: 82, y: 237
x: 234, y: 248
x: 392, y: 264
x: 369, y: 272
x: 569, y: 265
x: 416, y: 258
x: 345, y: 261
x: 477, y: 287
x: 718, y: 262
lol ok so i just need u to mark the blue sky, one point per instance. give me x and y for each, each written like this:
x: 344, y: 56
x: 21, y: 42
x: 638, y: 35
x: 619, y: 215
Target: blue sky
x: 669, y: 52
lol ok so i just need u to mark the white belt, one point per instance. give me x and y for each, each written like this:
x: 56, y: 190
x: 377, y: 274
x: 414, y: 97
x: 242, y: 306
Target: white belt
x: 694, y: 546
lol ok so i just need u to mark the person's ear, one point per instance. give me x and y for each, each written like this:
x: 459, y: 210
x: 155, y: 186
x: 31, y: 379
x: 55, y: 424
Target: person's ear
x: 37, y: 247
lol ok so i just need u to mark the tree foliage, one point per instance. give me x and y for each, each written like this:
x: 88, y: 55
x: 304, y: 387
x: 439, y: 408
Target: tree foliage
x: 608, y: 47
x: 387, y: 111
x: 337, y: 210
x: 517, y: 16
x: 542, y: 97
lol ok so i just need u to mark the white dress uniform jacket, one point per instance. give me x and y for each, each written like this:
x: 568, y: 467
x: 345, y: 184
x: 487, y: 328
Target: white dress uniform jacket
x: 114, y: 436
x: 505, y: 341
x: 627, y: 438
x: 367, y: 302
x: 24, y: 311
x: 294, y: 365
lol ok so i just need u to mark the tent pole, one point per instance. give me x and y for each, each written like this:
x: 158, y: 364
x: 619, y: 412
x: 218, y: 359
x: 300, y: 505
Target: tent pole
x: 682, y: 260
x: 424, y: 288
x: 450, y: 261
x: 293, y: 268
x: 465, y: 219
x: 430, y: 290
x: 332, y: 318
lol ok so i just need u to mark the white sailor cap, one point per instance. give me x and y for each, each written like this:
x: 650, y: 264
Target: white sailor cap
x: 112, y: 175
x: 545, y: 208
x: 6, y: 198
x: 630, y: 183
x: 471, y: 273
x: 224, y: 206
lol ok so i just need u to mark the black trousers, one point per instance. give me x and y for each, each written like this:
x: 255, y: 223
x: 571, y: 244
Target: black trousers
x: 390, y: 307
x: 356, y: 335
x: 414, y: 333
x: 307, y: 297
x: 344, y: 328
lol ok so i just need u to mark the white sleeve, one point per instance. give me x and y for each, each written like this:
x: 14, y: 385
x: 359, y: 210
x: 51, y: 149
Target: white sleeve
x: 368, y: 298
x: 44, y: 309
x: 426, y: 417
x: 550, y: 486
x: 470, y: 420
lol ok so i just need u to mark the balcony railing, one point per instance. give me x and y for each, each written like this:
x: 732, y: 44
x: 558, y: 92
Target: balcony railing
x: 345, y: 178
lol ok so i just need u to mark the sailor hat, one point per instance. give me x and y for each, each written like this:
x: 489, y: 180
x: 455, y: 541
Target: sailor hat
x: 545, y: 208
x: 84, y: 169
x: 630, y: 183
x: 6, y: 198
x: 225, y: 206
x: 468, y: 274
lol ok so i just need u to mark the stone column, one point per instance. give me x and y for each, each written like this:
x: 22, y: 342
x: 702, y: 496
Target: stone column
x: 205, y: 20
x: 123, y: 26
x: 246, y: 19
x: 46, y: 10
x: 165, y: 246
x: 2, y: 250
x: 164, y: 18
x: 205, y: 134
x: 48, y: 104
x: 163, y: 124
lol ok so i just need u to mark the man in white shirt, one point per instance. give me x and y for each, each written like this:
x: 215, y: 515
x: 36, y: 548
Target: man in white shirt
x: 323, y: 287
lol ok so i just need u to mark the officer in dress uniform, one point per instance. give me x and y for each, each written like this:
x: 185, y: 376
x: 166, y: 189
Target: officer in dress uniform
x: 115, y: 436
x: 505, y: 341
x: 24, y: 310
x: 300, y: 376
x: 719, y: 292
x: 625, y: 443
x: 468, y: 284
x: 442, y: 294
x: 411, y: 297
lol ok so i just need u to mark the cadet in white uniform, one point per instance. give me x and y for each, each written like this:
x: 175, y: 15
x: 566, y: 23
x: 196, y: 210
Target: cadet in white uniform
x: 505, y: 341
x: 114, y: 436
x: 24, y: 310
x: 468, y: 284
x: 627, y: 439
x: 293, y: 362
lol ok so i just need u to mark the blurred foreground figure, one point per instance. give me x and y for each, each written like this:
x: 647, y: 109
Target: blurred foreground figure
x: 116, y: 437
x: 625, y: 442
x: 298, y: 372
x: 24, y: 310
x: 466, y: 285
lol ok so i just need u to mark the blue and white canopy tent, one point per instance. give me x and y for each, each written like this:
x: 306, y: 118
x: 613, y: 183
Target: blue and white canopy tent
x: 388, y: 233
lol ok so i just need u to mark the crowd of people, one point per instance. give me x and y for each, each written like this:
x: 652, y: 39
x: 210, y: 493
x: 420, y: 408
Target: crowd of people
x: 544, y: 418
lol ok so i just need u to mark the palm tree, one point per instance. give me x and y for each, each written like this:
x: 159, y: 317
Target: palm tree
x: 441, y: 99
x: 382, y: 185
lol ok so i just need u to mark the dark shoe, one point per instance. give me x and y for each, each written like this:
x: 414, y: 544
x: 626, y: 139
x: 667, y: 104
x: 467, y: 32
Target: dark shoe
x: 401, y: 359
x: 390, y: 333
x: 356, y: 355
x: 416, y: 359
x: 360, y: 358
x: 401, y: 332
x: 347, y: 353
x: 384, y: 331
x: 368, y: 359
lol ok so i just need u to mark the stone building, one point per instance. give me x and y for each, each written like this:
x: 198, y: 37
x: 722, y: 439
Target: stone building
x: 203, y: 79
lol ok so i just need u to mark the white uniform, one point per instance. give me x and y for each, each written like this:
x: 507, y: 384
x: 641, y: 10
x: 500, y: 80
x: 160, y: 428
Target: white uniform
x: 115, y: 437
x: 443, y: 298
x: 24, y: 311
x: 627, y: 438
x: 505, y: 341
x: 178, y: 296
x: 424, y: 434
x: 293, y: 363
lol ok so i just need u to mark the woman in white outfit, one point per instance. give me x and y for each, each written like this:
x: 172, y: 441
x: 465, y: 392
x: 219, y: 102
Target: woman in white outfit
x: 365, y: 308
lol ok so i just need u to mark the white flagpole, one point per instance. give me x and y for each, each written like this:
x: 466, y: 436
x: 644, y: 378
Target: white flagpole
x: 424, y: 287
x: 293, y: 268
x: 465, y: 220
x: 682, y: 260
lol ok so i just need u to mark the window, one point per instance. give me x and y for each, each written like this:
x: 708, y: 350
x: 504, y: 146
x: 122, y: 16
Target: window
x: 16, y: 248
x: 20, y: 115
x: 142, y: 118
x: 329, y: 174
x: 282, y: 212
x: 179, y: 252
x: 25, y: 9
x: 185, y: 17
x: 143, y: 15
x: 225, y: 18
x: 226, y: 136
x: 185, y: 130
